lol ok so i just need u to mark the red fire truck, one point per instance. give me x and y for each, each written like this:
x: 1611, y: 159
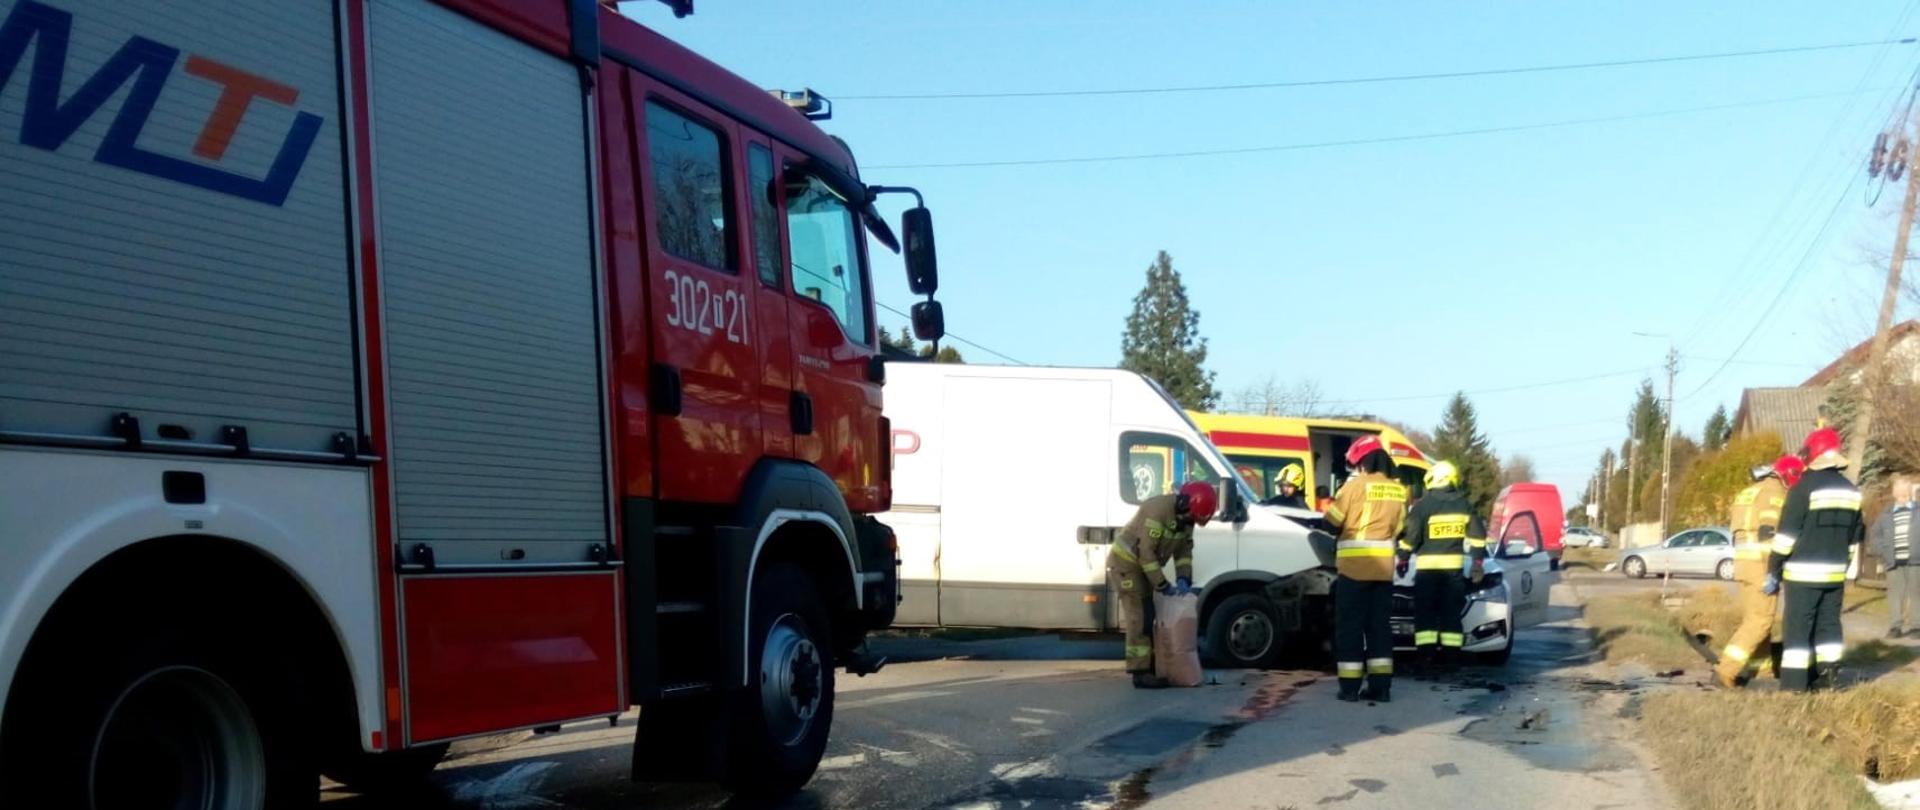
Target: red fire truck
x: 380, y: 373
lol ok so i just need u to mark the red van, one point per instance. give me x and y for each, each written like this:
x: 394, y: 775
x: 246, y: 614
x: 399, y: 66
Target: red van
x: 1543, y: 500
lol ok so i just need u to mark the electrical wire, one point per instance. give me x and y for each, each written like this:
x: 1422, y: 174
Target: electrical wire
x: 1771, y: 231
x: 1482, y: 391
x: 1818, y: 238
x: 1403, y: 77
x: 1290, y: 147
x: 958, y: 339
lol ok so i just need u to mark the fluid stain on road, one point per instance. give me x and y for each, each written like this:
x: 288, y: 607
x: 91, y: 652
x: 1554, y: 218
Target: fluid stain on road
x: 1177, y: 744
x: 1548, y: 730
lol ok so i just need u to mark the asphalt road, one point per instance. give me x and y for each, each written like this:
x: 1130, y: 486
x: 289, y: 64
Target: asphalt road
x: 1045, y: 722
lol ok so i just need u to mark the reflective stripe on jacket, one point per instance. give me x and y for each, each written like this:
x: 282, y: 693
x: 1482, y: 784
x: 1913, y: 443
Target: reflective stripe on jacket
x: 1443, y: 531
x: 1820, y: 529
x: 1369, y: 510
x: 1155, y: 538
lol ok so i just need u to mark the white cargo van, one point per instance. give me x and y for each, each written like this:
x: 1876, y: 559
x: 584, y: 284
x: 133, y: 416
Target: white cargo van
x: 972, y: 445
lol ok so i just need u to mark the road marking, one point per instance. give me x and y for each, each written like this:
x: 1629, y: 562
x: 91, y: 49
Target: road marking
x: 1032, y: 721
x: 882, y: 700
x: 512, y: 790
x: 842, y: 761
x: 1054, y: 712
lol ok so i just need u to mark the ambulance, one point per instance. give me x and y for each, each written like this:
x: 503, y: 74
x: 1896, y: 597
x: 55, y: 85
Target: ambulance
x: 1261, y: 446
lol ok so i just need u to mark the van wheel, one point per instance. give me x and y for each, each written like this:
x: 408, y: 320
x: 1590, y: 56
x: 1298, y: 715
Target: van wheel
x: 168, y: 712
x: 786, y: 710
x: 1243, y: 631
x: 387, y: 772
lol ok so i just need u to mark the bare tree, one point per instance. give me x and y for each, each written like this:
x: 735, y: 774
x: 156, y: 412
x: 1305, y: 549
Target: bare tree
x: 1270, y: 397
x: 1516, y: 469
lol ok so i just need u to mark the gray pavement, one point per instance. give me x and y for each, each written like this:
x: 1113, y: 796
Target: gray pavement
x: 1049, y: 722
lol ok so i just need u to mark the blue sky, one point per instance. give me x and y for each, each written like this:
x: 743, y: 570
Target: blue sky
x: 1474, y: 262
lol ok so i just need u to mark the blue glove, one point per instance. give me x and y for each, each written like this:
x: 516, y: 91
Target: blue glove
x: 1183, y: 586
x: 1772, y: 585
x: 1166, y: 589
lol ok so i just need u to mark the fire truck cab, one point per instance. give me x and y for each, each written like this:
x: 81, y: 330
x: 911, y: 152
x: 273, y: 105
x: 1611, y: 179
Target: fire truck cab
x: 380, y: 373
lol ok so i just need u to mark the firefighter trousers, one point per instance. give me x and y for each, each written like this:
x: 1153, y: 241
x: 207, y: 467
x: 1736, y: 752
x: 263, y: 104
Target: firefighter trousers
x: 1810, y: 633
x: 1749, y: 645
x: 1439, y: 599
x: 1362, y: 634
x: 1135, y: 595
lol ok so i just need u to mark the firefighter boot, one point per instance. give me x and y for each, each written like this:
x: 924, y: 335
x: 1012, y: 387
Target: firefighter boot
x: 1148, y: 680
x: 1350, y: 689
x: 1380, y: 688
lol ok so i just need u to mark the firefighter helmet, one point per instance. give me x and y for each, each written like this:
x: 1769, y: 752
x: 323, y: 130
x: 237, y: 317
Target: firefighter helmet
x: 1443, y: 475
x: 1361, y: 448
x: 1821, y: 442
x: 1789, y: 468
x: 1292, y: 475
x: 1199, y: 501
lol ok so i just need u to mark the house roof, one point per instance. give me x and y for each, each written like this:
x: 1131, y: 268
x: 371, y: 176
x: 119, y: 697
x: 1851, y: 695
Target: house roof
x: 1857, y: 356
x: 1790, y: 412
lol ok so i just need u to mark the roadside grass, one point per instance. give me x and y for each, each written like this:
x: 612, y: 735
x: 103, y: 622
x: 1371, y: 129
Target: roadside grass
x: 1722, y: 750
x: 1785, y: 751
x: 1865, y: 600
x: 1592, y: 559
x: 1877, y: 657
x: 1636, y: 627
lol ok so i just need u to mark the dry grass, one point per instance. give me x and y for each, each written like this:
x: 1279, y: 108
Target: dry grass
x: 1865, y: 600
x: 1592, y: 559
x: 1636, y: 627
x: 1724, y: 750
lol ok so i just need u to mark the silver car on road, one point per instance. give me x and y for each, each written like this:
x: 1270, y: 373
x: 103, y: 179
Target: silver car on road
x: 1695, y: 552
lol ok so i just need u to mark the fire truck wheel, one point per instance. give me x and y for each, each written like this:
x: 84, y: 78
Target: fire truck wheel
x: 389, y: 772
x: 787, y: 709
x: 161, y: 713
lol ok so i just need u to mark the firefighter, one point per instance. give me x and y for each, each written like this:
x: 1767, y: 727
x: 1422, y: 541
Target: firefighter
x: 1368, y: 511
x: 1286, y: 488
x: 1813, y: 552
x: 1755, y: 520
x: 1448, y: 544
x: 1160, y: 533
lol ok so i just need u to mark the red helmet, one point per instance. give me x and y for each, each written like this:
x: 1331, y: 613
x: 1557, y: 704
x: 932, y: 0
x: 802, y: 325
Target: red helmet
x: 1789, y: 468
x: 1201, y: 500
x: 1361, y: 447
x: 1821, y: 442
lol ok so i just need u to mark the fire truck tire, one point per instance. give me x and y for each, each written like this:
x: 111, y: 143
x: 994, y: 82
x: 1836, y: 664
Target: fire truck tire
x: 158, y: 713
x: 389, y: 772
x: 781, y: 726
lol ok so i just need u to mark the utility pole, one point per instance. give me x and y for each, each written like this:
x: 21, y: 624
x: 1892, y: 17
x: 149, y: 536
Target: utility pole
x: 1606, y: 477
x: 1633, y: 470
x: 1877, y: 355
x: 1666, y: 460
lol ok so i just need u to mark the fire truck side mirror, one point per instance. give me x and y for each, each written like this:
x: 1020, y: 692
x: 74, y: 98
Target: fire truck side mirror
x: 923, y: 268
x: 929, y: 321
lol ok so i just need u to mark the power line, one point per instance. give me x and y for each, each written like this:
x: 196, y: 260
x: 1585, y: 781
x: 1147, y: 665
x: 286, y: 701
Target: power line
x: 1290, y: 147
x: 1482, y: 391
x: 1818, y: 237
x: 1403, y: 77
x: 1836, y: 127
x: 959, y: 339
